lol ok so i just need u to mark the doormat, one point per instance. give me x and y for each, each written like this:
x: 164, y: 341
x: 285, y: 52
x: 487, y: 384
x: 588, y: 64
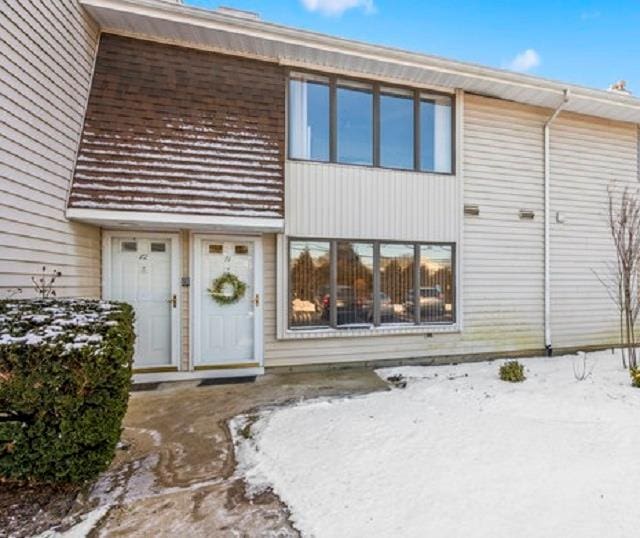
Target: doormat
x: 226, y: 380
x: 143, y: 387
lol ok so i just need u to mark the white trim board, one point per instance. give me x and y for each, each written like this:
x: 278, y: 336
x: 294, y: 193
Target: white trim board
x: 176, y: 258
x: 117, y: 218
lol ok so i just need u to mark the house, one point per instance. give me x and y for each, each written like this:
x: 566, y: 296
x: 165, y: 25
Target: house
x: 368, y: 203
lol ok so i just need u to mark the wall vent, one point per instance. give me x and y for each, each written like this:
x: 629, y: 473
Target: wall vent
x: 472, y: 210
x: 526, y: 214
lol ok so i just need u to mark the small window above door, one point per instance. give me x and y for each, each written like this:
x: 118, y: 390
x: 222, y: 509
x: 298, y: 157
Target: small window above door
x: 242, y: 249
x: 129, y: 246
x: 215, y: 249
x: 158, y: 247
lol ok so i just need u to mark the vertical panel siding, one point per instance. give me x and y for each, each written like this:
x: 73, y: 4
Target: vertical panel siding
x: 47, y: 51
x: 586, y: 155
x: 331, y: 200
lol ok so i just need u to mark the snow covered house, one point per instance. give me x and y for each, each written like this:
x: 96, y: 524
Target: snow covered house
x: 365, y: 203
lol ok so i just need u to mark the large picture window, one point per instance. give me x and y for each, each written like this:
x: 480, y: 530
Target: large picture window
x: 355, y: 284
x: 353, y: 122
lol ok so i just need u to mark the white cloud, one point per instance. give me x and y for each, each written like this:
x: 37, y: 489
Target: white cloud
x: 590, y: 15
x: 338, y: 7
x: 525, y: 61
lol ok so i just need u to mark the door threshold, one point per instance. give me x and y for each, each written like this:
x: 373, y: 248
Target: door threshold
x: 155, y: 369
x: 156, y: 377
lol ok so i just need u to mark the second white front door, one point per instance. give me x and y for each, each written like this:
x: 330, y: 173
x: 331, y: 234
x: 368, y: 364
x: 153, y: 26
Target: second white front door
x: 141, y: 273
x: 225, y: 334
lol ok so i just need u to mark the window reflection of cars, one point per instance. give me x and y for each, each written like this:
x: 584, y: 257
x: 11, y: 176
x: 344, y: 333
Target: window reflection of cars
x: 432, y: 304
x: 387, y: 309
x: 350, y: 308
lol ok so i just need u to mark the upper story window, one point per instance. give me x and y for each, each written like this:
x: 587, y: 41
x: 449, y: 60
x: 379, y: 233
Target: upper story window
x: 396, y: 129
x: 354, y: 123
x: 309, y: 118
x: 435, y: 133
x: 345, y: 121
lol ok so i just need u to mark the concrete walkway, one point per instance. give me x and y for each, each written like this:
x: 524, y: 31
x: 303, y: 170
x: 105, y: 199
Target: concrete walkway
x: 174, y: 474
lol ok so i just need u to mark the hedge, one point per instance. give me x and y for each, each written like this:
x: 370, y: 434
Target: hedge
x: 65, y: 375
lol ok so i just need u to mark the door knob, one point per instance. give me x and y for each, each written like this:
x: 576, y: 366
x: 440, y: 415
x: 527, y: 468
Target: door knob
x: 257, y: 299
x: 173, y: 301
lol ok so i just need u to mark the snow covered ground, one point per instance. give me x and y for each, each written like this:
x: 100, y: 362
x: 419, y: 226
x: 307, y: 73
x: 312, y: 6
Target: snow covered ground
x: 459, y: 453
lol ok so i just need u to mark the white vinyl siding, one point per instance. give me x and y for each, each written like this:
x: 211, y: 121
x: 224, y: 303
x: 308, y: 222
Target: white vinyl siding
x: 586, y: 155
x: 47, y: 51
x: 502, y: 254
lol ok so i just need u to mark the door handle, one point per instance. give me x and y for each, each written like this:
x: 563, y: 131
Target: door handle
x: 173, y: 300
x: 257, y: 300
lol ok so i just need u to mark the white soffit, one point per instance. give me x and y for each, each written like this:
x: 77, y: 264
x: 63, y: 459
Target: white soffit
x: 209, y: 30
x: 174, y: 221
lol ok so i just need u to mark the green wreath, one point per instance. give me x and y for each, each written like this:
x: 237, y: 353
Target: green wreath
x: 239, y: 289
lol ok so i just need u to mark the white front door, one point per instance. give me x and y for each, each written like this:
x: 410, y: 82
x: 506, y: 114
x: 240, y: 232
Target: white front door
x: 141, y: 274
x: 226, y: 334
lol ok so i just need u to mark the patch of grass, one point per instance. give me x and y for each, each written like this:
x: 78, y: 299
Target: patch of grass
x: 397, y: 381
x: 245, y: 431
x: 635, y: 377
x: 512, y: 371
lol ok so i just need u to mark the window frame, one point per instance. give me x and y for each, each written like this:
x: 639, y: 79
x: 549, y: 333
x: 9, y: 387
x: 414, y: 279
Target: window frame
x: 377, y: 88
x: 375, y: 325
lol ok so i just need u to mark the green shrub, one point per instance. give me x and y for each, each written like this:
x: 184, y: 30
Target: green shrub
x: 512, y: 371
x: 65, y: 374
x: 635, y: 377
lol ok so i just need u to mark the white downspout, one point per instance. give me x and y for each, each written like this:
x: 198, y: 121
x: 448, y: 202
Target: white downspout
x: 547, y: 226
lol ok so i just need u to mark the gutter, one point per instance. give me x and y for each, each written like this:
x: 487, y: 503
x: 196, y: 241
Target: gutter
x: 547, y: 225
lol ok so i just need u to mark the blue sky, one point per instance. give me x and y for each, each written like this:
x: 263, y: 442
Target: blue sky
x: 592, y: 43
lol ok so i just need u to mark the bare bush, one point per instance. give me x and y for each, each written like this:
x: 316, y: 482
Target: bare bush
x: 621, y: 280
x: 581, y: 367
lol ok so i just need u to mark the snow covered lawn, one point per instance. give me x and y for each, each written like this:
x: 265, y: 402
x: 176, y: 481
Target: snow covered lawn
x: 459, y: 453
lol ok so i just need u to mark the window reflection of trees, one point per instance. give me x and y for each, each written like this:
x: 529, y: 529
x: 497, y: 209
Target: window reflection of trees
x: 309, y: 274
x: 354, y: 290
x: 399, y: 299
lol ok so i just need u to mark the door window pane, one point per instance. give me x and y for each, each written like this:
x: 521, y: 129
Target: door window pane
x: 355, y: 124
x: 309, y: 119
x: 435, y: 133
x: 354, y: 287
x: 396, y: 129
x: 436, y: 283
x: 309, y: 270
x: 397, y: 265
